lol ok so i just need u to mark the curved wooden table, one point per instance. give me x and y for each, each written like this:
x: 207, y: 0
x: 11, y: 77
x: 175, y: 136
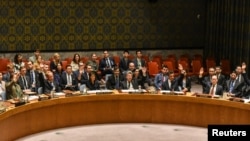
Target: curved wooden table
x: 120, y: 108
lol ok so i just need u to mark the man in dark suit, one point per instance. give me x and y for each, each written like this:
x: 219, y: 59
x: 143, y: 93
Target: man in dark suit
x: 107, y: 64
x: 69, y: 80
x: 161, y: 77
x: 215, y: 88
x: 220, y: 76
x: 50, y: 84
x: 205, y: 81
x: 129, y: 83
x: 239, y: 76
x: 139, y: 61
x: 80, y: 73
x: 124, y: 62
x: 114, y: 81
x: 85, y: 75
x: 24, y: 80
x: 42, y: 74
x: 34, y: 76
x: 171, y: 82
x: 246, y: 89
x: 142, y: 77
x: 233, y: 86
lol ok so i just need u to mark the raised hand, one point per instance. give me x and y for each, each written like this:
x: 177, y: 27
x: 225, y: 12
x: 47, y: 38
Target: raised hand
x: 243, y: 66
x: 180, y: 67
x: 201, y: 70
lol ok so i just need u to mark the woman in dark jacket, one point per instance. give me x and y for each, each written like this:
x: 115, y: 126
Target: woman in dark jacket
x: 93, y: 83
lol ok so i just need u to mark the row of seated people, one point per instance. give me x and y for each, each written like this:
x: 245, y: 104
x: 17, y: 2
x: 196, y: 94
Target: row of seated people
x: 15, y: 83
x: 215, y: 83
x: 105, y: 65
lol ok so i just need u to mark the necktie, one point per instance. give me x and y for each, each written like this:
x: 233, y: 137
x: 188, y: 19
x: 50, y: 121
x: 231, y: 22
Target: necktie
x: 128, y: 85
x: 218, y: 76
x: 212, y: 90
x: 53, y: 86
x: 163, y: 78
x: 170, y: 85
x: 69, y: 80
x: 239, y: 78
x: 31, y: 76
x: 231, y: 86
x: 108, y: 63
x: 184, y: 83
x: 24, y: 82
x: 116, y: 82
x: 139, y: 63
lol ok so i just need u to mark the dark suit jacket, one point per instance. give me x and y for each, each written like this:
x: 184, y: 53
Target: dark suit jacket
x: 48, y: 87
x: 174, y: 84
x: 124, y: 84
x: 188, y: 84
x: 64, y: 82
x: 41, y: 79
x: 143, y: 63
x: 58, y: 76
x: 237, y: 89
x: 123, y: 66
x: 84, y: 77
x: 21, y: 83
x: 36, y: 78
x: 103, y: 66
x: 218, y: 91
x: 142, y: 80
x: 53, y: 66
x: 206, y: 84
x: 110, y: 84
x: 222, y: 81
x: 241, y: 79
x: 95, y: 86
x: 246, y: 87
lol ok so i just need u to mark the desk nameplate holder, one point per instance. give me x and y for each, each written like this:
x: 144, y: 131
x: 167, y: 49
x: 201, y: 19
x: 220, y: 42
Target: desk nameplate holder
x: 103, y: 93
x: 236, y: 99
x: 203, y: 95
x: 43, y: 97
x: 172, y: 93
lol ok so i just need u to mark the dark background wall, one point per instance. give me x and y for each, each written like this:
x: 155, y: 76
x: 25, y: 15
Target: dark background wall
x: 57, y: 25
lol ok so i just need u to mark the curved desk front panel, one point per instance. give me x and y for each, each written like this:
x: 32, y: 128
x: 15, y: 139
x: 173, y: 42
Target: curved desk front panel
x: 99, y: 109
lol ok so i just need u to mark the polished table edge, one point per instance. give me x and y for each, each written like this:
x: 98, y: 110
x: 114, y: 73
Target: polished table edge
x: 127, y: 108
x: 123, y: 96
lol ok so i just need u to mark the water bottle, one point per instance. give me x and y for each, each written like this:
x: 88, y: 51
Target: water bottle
x: 83, y: 89
x: 139, y: 88
x: 52, y: 94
